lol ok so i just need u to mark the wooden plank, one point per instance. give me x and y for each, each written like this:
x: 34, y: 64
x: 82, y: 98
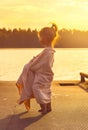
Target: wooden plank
x: 84, y: 85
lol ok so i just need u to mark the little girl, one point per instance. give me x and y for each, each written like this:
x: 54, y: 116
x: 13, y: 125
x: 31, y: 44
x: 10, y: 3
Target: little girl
x: 37, y: 75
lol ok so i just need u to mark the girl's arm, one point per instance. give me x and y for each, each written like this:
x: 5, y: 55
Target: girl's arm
x: 37, y: 62
x: 43, y: 60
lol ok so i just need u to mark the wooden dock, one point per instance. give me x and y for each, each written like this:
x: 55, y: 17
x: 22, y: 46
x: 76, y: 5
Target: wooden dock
x: 69, y: 109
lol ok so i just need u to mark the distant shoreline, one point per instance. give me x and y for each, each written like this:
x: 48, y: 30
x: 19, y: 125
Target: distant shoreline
x: 43, y: 48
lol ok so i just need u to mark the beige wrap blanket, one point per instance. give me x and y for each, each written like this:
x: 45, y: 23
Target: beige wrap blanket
x: 37, y: 76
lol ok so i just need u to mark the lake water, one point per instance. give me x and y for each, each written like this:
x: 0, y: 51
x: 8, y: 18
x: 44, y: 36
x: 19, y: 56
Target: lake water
x: 68, y: 62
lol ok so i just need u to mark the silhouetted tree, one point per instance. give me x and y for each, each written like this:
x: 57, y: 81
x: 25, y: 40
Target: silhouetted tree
x: 21, y: 38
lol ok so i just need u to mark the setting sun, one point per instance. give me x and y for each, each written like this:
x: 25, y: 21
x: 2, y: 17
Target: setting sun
x: 69, y: 14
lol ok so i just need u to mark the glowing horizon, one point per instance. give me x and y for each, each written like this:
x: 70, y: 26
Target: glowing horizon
x: 68, y: 14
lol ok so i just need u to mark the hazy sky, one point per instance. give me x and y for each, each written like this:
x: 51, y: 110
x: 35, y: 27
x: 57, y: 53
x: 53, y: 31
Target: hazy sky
x: 39, y: 13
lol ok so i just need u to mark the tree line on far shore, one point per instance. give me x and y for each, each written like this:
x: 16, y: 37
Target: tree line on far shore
x: 21, y: 38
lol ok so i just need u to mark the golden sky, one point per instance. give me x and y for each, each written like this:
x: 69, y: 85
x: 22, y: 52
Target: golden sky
x: 35, y: 14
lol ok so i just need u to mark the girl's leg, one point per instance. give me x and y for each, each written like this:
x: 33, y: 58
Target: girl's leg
x: 45, y: 108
